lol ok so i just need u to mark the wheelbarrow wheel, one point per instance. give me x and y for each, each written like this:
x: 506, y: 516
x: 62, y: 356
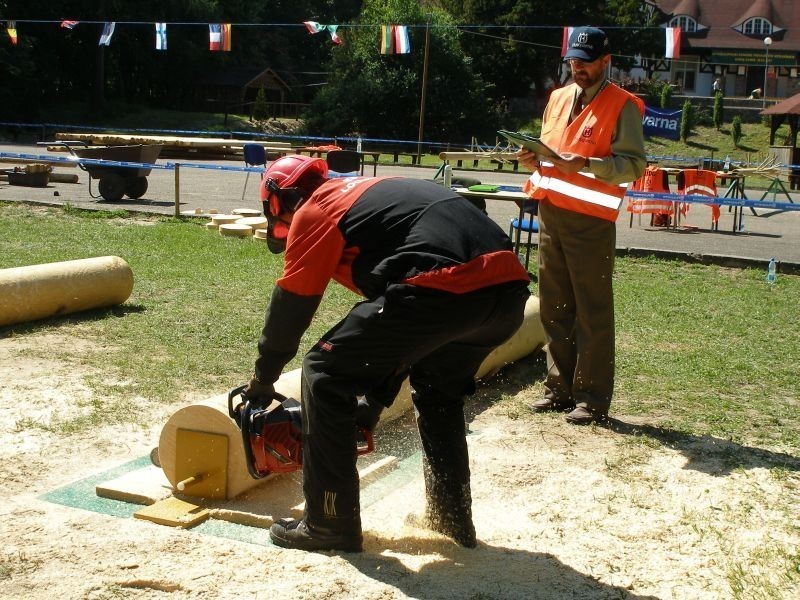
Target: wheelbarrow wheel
x: 111, y: 187
x: 135, y: 187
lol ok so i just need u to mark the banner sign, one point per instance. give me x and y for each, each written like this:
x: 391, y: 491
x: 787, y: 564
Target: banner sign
x: 753, y: 57
x: 662, y: 123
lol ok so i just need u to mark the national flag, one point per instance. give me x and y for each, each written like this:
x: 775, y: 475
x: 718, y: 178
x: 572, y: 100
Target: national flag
x: 105, y: 37
x: 565, y: 39
x: 11, y: 27
x: 673, y: 35
x: 66, y: 24
x: 314, y: 27
x: 219, y: 37
x: 394, y: 39
x: 161, y: 36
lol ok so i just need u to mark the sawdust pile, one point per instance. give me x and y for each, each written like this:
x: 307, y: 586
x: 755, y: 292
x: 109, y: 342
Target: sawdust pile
x: 630, y: 511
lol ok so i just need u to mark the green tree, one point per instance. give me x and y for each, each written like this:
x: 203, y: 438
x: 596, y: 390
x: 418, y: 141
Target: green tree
x: 515, y: 59
x: 687, y: 120
x: 666, y: 95
x: 719, y: 109
x: 260, y: 106
x: 380, y: 95
x: 736, y: 130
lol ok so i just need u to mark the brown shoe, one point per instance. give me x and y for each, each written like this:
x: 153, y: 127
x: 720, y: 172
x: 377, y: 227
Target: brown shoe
x: 585, y: 416
x: 548, y: 405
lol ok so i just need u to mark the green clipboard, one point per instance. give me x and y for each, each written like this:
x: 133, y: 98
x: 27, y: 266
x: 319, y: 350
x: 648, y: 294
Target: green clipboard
x: 529, y: 142
x: 483, y: 187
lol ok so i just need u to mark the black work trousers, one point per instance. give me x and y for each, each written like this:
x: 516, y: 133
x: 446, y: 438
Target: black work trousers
x: 576, y: 303
x: 435, y: 338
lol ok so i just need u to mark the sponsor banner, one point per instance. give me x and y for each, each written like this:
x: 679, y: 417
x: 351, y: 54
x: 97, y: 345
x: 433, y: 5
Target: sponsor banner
x: 753, y: 57
x: 662, y: 123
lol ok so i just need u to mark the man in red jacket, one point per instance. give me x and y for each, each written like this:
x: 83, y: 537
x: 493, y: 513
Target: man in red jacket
x: 443, y: 288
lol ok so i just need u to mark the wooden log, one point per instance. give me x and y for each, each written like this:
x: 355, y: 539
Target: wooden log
x: 211, y: 415
x: 53, y: 289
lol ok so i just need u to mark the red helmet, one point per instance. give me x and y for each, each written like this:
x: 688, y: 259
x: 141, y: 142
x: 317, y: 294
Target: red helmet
x: 285, y: 184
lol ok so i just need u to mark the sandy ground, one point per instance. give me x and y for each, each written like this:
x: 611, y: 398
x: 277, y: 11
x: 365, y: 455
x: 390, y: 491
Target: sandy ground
x: 632, y: 510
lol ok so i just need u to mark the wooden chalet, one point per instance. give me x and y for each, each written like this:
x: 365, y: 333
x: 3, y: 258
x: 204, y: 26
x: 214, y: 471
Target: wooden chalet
x: 737, y: 42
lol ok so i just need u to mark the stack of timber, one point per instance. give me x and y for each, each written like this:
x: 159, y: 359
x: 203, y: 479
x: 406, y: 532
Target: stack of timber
x: 177, y: 146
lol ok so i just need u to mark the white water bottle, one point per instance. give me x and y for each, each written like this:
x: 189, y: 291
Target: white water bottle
x: 358, y: 144
x: 727, y: 166
x: 448, y: 176
x: 771, y: 274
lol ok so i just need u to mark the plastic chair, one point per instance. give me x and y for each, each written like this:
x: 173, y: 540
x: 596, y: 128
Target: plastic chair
x: 254, y: 155
x: 344, y: 161
x: 529, y: 224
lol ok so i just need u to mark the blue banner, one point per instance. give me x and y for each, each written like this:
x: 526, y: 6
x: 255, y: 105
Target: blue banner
x: 662, y: 123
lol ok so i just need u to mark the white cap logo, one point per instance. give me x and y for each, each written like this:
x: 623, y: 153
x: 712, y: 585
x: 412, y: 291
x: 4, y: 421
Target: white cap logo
x: 583, y: 38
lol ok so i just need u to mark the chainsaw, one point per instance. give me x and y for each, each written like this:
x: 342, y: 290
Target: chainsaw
x: 272, y: 433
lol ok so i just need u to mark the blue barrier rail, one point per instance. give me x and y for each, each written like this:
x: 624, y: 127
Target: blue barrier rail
x: 44, y: 127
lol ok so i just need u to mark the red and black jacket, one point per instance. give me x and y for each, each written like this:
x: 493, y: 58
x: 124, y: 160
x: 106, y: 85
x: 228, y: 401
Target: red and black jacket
x: 368, y: 233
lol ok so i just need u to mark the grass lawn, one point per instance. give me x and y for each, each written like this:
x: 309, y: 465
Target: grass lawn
x: 700, y: 349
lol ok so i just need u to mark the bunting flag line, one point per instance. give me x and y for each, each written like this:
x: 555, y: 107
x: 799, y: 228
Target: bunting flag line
x: 11, y: 27
x: 565, y: 39
x: 219, y: 37
x: 394, y: 39
x: 161, y: 36
x: 673, y: 35
x: 105, y: 37
x: 66, y: 24
x: 314, y: 27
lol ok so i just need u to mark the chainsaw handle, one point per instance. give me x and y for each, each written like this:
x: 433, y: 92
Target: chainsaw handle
x: 239, y: 391
x: 234, y: 392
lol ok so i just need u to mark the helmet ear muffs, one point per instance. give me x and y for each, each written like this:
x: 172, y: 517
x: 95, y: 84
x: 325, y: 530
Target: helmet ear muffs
x: 273, y: 197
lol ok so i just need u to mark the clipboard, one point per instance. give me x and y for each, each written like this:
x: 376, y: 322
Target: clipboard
x: 530, y: 143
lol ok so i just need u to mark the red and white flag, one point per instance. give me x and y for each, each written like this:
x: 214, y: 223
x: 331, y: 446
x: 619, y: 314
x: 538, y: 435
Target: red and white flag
x: 565, y: 39
x: 219, y: 37
x: 66, y: 24
x: 673, y: 42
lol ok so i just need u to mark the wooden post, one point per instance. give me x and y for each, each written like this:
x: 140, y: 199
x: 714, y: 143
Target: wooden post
x: 177, y: 189
x: 424, y: 86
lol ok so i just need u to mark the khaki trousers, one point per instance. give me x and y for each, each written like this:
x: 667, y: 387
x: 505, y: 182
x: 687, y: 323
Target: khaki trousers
x: 576, y: 263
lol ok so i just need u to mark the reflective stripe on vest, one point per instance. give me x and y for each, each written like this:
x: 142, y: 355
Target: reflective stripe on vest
x: 580, y: 190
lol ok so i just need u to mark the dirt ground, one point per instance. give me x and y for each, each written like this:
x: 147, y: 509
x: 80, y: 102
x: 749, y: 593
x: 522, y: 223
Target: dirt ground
x: 632, y: 510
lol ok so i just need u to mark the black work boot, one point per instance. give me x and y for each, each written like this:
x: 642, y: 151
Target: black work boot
x: 299, y: 535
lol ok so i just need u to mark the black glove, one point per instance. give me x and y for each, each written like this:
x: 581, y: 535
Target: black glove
x: 368, y: 413
x: 256, y: 390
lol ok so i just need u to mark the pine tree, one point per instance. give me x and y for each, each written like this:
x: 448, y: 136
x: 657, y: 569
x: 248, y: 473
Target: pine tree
x: 260, y: 107
x: 719, y: 106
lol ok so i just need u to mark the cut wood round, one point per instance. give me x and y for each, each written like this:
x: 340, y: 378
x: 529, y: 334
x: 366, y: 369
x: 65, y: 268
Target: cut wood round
x: 254, y: 222
x: 53, y: 289
x: 222, y: 219
x: 260, y: 234
x: 247, y: 212
x: 235, y: 230
x: 211, y: 226
x: 211, y: 415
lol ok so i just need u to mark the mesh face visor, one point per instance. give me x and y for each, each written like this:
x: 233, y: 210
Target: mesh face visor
x: 279, y: 200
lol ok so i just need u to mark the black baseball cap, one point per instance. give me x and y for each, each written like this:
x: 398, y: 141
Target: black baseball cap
x: 587, y: 44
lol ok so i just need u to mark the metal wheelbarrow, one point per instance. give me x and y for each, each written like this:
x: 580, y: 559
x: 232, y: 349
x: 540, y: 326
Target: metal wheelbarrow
x: 116, y: 181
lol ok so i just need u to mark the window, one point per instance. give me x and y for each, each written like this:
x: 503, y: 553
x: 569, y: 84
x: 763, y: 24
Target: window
x: 685, y: 22
x: 757, y: 26
x: 684, y: 73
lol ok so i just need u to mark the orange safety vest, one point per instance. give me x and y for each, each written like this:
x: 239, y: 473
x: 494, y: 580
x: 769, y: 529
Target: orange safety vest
x: 589, y: 134
x: 654, y: 179
x: 699, y: 182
